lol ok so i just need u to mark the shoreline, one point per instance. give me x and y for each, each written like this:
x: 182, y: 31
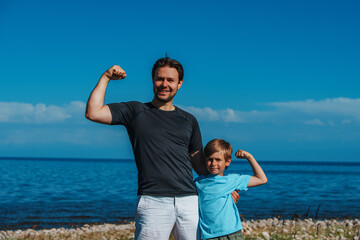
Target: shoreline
x: 271, y: 228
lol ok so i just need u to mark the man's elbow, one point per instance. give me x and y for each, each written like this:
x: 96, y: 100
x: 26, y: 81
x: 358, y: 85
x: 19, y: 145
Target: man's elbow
x: 91, y: 116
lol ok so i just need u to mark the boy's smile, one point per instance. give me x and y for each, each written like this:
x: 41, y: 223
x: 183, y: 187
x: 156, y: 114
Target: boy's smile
x: 216, y: 163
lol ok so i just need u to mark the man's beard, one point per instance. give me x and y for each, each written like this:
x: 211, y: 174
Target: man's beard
x: 169, y: 99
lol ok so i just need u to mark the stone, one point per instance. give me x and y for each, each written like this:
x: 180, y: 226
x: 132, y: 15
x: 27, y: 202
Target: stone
x: 349, y: 224
x: 266, y: 235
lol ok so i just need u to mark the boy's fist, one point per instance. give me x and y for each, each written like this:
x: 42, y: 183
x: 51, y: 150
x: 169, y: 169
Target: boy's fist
x: 115, y: 73
x: 242, y: 154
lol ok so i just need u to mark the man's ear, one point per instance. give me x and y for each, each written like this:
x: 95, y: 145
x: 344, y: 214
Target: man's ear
x: 180, y: 84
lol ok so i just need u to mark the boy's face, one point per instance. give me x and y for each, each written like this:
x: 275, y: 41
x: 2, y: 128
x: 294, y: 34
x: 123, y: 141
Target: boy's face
x: 216, y: 163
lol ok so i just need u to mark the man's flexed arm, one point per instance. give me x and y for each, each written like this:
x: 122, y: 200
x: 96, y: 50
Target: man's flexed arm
x: 96, y: 110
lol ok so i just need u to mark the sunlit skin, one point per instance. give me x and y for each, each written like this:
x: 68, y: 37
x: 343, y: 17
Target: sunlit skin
x: 216, y: 163
x: 165, y: 84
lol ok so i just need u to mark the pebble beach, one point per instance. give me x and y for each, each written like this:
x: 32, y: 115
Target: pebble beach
x: 272, y: 228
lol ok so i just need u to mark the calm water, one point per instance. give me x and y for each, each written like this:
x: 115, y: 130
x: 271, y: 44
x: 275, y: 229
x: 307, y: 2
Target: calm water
x: 70, y: 192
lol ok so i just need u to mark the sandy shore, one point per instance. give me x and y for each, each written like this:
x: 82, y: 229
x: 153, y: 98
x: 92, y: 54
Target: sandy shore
x: 271, y: 228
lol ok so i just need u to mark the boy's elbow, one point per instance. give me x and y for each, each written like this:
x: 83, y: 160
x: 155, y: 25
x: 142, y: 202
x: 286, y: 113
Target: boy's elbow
x: 261, y: 181
x: 265, y: 180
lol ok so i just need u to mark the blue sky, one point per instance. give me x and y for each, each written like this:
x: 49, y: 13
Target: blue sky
x: 277, y: 78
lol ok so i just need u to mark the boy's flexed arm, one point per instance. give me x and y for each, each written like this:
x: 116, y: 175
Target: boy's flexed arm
x: 96, y: 110
x: 259, y: 177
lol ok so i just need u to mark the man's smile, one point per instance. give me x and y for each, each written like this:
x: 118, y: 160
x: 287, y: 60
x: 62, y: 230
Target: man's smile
x: 163, y: 91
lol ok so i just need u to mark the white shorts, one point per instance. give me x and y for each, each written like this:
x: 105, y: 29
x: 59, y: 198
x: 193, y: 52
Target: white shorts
x: 157, y: 217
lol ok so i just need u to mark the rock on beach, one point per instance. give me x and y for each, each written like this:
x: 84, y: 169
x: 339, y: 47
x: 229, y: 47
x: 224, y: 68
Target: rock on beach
x: 272, y: 228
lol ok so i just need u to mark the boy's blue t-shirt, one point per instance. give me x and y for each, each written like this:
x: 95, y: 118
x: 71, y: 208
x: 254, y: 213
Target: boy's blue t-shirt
x: 218, y: 213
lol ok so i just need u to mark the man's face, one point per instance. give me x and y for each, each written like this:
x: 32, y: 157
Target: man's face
x: 166, y: 83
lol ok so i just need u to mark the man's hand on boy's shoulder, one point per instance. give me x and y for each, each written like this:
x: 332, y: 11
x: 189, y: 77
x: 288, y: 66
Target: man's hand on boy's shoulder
x: 242, y: 154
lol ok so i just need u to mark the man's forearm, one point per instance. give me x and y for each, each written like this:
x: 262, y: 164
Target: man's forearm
x: 198, y: 163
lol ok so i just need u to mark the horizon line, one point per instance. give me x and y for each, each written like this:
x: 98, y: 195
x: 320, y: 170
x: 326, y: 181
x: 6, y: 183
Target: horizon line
x: 237, y: 161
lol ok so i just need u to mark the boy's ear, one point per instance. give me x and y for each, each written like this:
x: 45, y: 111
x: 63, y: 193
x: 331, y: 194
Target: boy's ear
x: 227, y: 162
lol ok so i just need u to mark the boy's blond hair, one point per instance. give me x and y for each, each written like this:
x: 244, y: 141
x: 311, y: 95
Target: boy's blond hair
x: 218, y: 145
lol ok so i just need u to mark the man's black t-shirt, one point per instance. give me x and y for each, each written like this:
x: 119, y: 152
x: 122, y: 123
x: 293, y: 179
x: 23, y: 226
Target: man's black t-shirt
x: 162, y: 142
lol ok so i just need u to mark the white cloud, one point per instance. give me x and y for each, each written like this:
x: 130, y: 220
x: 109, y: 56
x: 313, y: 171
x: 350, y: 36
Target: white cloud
x: 316, y: 122
x: 15, y: 112
x: 230, y: 115
x: 336, y: 106
x: 203, y: 113
x: 298, y: 121
x: 208, y: 114
x: 328, y: 112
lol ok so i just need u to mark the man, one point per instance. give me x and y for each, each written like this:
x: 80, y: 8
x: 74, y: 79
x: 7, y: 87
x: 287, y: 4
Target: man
x: 166, y: 142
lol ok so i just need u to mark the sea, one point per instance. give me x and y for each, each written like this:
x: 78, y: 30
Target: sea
x: 43, y: 193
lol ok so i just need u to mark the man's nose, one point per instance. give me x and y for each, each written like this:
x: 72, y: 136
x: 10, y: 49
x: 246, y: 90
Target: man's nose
x: 165, y: 83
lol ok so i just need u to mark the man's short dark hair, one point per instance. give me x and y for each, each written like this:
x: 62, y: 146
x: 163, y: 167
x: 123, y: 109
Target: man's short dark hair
x: 166, y: 61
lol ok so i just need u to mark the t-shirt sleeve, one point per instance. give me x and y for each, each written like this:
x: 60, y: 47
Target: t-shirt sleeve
x: 242, y: 182
x: 195, y: 140
x: 122, y: 113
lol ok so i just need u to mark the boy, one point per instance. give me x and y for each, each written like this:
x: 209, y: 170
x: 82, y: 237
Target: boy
x: 219, y: 216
